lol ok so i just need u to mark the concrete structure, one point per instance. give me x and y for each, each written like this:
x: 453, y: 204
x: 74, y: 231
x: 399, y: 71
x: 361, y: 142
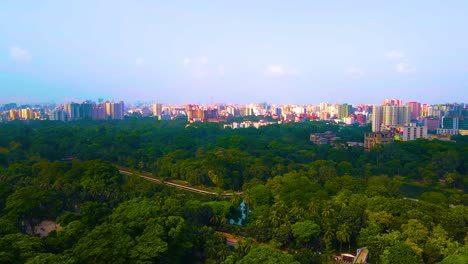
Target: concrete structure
x: 392, y: 102
x: 344, y: 110
x: 389, y: 115
x: 323, y: 138
x: 432, y: 123
x: 377, y: 114
x: 415, y: 109
x: 157, y: 109
x: 376, y: 138
x: 117, y: 110
x: 72, y: 110
x: 447, y: 131
x: 86, y: 110
x: 412, y: 132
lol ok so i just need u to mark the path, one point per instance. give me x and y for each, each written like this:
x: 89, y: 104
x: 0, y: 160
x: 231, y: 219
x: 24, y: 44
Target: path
x: 180, y: 186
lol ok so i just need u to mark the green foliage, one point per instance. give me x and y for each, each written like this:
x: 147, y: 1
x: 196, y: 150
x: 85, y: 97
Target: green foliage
x: 459, y: 258
x: 267, y: 255
x: 300, y: 197
x: 17, y: 248
x: 399, y: 253
x: 49, y: 258
x: 305, y: 231
x: 105, y: 244
x: 434, y: 197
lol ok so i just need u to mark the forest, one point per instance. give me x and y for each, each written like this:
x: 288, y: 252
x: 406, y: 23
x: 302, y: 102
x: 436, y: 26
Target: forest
x: 405, y: 202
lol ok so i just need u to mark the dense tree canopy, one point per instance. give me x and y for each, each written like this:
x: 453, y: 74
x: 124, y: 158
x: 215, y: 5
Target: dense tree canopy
x: 406, y: 202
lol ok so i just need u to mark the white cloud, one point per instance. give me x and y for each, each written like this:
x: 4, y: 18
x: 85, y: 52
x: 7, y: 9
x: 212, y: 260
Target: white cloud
x: 395, y: 55
x: 275, y: 70
x: 356, y: 71
x: 404, y: 67
x: 221, y: 69
x: 186, y: 61
x: 139, y: 62
x: 278, y: 70
x: 20, y: 54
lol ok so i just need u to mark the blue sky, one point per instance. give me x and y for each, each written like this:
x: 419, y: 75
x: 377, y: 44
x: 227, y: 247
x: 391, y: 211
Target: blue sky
x: 234, y: 51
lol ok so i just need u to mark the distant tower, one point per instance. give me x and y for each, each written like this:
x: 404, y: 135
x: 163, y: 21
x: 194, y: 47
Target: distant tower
x: 344, y: 110
x: 72, y: 110
x: 377, y: 114
x: 157, y: 109
x: 117, y: 110
x: 415, y: 109
x: 389, y: 115
x: 87, y: 110
x: 108, y: 110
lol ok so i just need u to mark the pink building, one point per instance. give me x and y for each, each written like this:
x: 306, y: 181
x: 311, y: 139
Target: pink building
x: 392, y: 102
x: 432, y: 123
x: 415, y: 109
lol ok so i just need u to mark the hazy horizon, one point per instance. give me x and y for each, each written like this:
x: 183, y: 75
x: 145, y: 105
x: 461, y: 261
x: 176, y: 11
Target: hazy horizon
x: 237, y: 52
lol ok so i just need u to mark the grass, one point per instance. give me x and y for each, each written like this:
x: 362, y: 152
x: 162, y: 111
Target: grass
x: 414, y: 190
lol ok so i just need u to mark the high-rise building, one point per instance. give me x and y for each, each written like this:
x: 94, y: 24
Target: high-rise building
x: 344, y: 110
x: 450, y: 122
x: 389, y: 115
x: 86, y: 110
x: 324, y: 106
x: 409, y: 132
x: 99, y: 111
x: 463, y: 122
x: 14, y: 114
x: 157, y: 109
x: 377, y: 113
x: 58, y: 115
x: 117, y: 110
x: 194, y: 113
x: 392, y: 102
x: 424, y: 110
x: 26, y: 114
x: 432, y: 123
x: 108, y: 110
x: 72, y: 110
x: 210, y: 113
x: 415, y: 109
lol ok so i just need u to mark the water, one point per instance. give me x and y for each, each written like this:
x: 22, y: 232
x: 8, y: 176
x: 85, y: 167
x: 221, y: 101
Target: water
x: 244, y: 215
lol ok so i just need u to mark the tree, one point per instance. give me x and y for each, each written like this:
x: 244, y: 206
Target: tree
x: 434, y: 197
x: 92, y: 213
x: 106, y: 243
x: 17, y: 248
x: 267, y: 255
x: 438, y: 245
x: 399, y: 253
x: 278, y: 214
x: 460, y: 258
x: 30, y: 202
x: 243, y: 247
x: 305, y: 231
x: 7, y: 227
x: 378, y: 243
x: 149, y: 245
x: 343, y: 234
x: 49, y: 258
x: 261, y: 195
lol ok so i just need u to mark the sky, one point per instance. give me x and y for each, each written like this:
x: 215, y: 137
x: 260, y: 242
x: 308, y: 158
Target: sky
x: 198, y: 51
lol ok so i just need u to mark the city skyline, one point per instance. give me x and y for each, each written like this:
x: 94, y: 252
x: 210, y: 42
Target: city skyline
x: 180, y: 52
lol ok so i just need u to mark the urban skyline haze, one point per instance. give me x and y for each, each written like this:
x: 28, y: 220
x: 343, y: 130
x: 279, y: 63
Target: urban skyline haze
x: 233, y: 52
